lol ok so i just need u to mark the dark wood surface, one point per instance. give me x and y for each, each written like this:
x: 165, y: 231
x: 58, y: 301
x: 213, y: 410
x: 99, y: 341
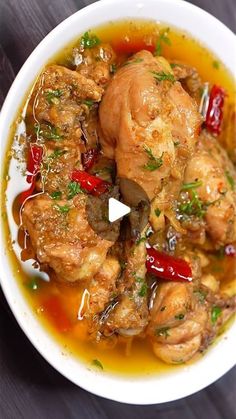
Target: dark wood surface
x: 29, y: 387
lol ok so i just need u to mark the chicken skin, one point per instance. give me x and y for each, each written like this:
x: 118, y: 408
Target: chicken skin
x: 182, y: 320
x: 56, y: 219
x: 149, y: 123
x: 212, y: 167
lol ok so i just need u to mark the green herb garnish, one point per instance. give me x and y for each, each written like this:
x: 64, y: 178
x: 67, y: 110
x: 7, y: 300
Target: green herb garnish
x: 57, y: 153
x: 123, y: 264
x: 89, y: 40
x: 179, y: 316
x: 113, y: 68
x: 163, y: 38
x: 230, y: 180
x: 56, y: 195
x: 173, y: 65
x: 51, y: 133
x: 64, y: 209
x: 215, y: 313
x: 163, y: 331
x: 194, y: 207
x: 162, y: 76
x: 140, y: 240
x: 136, y: 61
x: 97, y: 363
x: 154, y: 163
x: 88, y: 102
x: 143, y: 290
x: 220, y: 253
x: 157, y: 212
x: 33, y: 285
x: 216, y: 64
x: 191, y: 185
x: 53, y: 94
x: 74, y: 188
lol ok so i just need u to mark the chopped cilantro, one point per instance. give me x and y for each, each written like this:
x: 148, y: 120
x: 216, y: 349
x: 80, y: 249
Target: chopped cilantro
x: 88, y: 103
x: 136, y: 61
x: 143, y: 290
x: 230, y: 179
x: 163, y: 331
x: 157, y: 212
x: 33, y: 284
x: 194, y: 206
x: 53, y: 94
x: 57, y: 153
x: 140, y: 240
x: 64, y: 209
x: 179, y: 316
x: 163, y: 37
x: 56, y: 195
x: 89, y: 40
x: 191, y: 185
x: 51, y: 133
x: 74, y: 188
x: 113, y: 68
x: 173, y: 65
x: 216, y: 64
x: 122, y: 264
x: 154, y: 163
x: 162, y: 76
x: 97, y: 363
x: 220, y: 253
x: 138, y: 279
x: 215, y: 313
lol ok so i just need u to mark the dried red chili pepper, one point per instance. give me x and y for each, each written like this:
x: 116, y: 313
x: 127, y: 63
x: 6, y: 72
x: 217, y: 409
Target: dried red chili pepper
x: 167, y: 267
x: 214, y: 114
x: 93, y: 184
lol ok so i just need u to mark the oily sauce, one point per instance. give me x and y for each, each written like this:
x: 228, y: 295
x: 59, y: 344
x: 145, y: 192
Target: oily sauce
x: 59, y: 306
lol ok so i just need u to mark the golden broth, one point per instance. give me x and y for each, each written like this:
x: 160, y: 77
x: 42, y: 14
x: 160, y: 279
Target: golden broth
x: 127, y: 357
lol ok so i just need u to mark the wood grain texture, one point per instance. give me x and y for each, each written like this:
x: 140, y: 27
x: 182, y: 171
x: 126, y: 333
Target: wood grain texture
x: 29, y: 387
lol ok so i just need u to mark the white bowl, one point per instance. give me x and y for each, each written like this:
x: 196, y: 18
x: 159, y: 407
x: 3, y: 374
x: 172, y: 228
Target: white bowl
x: 220, y: 358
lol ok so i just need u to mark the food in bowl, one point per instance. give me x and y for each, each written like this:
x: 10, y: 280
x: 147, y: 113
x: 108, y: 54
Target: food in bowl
x: 130, y: 102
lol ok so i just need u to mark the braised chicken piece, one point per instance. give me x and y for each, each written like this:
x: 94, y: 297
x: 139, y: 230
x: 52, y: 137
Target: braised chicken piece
x: 56, y: 220
x: 59, y: 101
x: 63, y: 239
x: 95, y: 63
x: 182, y: 320
x: 130, y: 316
x: 211, y: 167
x: 189, y: 78
x: 103, y: 287
x: 149, y: 124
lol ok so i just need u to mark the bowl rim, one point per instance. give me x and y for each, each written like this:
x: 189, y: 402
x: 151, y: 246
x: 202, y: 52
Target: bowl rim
x: 102, y: 387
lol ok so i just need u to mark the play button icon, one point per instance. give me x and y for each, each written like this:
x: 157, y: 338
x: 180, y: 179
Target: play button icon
x: 116, y: 210
x: 119, y: 214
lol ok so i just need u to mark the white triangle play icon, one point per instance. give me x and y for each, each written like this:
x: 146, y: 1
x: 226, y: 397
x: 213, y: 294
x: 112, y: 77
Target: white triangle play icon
x: 116, y: 210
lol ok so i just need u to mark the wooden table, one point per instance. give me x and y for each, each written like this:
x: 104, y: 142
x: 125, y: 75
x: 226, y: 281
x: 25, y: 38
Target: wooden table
x: 29, y: 387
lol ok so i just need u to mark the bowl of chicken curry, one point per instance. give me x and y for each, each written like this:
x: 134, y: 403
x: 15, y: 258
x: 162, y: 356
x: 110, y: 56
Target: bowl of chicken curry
x: 122, y: 97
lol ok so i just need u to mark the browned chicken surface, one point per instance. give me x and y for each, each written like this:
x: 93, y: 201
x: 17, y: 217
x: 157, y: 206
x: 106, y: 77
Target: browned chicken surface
x: 56, y: 220
x: 64, y: 240
x: 149, y: 123
x: 212, y: 167
x: 181, y: 320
